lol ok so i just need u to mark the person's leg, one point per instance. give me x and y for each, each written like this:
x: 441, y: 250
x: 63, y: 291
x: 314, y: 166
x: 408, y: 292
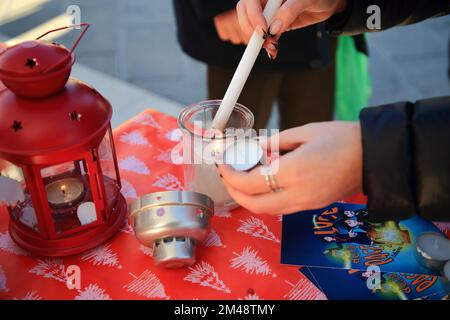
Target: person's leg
x: 258, y: 95
x: 307, y: 97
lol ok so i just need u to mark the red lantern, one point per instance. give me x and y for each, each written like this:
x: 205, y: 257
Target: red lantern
x: 56, y: 140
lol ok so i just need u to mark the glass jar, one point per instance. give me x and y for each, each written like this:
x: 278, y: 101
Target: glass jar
x: 200, y: 149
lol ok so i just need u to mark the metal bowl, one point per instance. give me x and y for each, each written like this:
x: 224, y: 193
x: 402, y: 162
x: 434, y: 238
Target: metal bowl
x: 172, y: 222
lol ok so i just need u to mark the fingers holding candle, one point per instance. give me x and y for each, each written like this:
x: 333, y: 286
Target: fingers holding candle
x: 324, y: 165
x: 251, y: 16
x: 293, y: 14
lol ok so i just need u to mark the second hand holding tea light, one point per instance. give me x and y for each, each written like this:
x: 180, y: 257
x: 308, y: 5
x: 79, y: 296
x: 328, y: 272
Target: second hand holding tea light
x: 243, y: 71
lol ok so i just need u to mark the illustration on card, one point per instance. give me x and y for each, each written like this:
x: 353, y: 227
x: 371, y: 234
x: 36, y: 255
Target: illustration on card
x: 373, y: 285
x: 342, y: 236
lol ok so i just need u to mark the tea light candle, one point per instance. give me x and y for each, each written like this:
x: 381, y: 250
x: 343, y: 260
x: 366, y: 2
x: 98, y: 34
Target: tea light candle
x: 244, y: 154
x: 432, y: 250
x: 86, y: 213
x: 64, y: 192
x: 446, y: 275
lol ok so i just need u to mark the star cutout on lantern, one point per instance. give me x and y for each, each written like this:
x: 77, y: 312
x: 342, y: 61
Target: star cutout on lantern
x: 75, y: 116
x: 16, y: 126
x: 31, y: 63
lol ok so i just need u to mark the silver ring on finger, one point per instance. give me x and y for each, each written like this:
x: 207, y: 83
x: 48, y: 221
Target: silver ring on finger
x: 270, y: 179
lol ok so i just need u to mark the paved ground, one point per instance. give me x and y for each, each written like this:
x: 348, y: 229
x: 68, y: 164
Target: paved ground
x: 135, y: 41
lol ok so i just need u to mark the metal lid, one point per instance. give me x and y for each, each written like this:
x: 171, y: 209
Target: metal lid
x: 172, y: 222
x: 165, y: 198
x: 36, y: 68
x: 37, y: 127
x: 174, y: 252
x: 33, y: 57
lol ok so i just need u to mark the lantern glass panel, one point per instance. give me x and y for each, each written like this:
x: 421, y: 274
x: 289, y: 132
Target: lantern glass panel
x: 109, y: 171
x: 22, y: 211
x: 69, y: 195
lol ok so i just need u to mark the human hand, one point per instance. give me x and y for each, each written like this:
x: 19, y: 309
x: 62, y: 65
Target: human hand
x: 293, y: 14
x: 228, y: 28
x: 324, y: 165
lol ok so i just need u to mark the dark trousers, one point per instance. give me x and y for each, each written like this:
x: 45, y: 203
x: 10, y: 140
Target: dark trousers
x: 303, y: 96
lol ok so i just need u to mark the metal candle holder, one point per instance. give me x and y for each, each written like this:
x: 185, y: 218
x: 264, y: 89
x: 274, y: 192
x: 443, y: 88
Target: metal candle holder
x: 172, y: 223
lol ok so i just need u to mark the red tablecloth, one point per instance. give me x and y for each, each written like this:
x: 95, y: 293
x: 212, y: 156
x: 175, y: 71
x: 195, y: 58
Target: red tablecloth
x: 239, y: 260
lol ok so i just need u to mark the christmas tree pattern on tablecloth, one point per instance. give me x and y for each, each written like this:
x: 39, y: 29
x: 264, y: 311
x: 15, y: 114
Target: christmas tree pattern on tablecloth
x: 174, y: 135
x: 103, y: 255
x: 147, y: 285
x: 257, y: 228
x: 205, y: 275
x: 213, y: 240
x: 51, y: 268
x: 251, y: 296
x: 30, y: 295
x: 3, y: 287
x: 134, y: 138
x: 131, y: 163
x: 127, y: 228
x: 8, y: 245
x: 171, y: 156
x: 147, y: 120
x: 303, y: 290
x: 146, y: 250
x: 128, y: 190
x: 168, y: 182
x: 249, y: 261
x: 92, y: 292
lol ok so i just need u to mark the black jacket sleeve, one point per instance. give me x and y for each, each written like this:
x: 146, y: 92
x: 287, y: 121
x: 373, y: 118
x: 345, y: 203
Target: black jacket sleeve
x: 406, y: 159
x: 353, y: 20
x: 208, y: 9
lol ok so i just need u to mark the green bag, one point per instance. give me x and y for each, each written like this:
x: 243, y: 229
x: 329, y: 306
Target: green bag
x: 353, y: 86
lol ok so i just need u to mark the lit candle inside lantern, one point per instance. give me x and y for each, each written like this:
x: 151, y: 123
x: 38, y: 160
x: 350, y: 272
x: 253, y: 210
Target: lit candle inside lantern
x: 65, y: 192
x: 433, y: 250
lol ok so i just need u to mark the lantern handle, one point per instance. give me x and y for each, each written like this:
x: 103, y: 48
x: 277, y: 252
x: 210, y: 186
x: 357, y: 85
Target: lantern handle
x: 86, y: 27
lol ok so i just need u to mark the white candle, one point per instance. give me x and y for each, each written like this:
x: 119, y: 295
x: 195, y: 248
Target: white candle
x: 435, y: 246
x: 244, y: 154
x: 243, y: 71
x: 446, y: 276
x: 446, y: 271
x: 86, y: 213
